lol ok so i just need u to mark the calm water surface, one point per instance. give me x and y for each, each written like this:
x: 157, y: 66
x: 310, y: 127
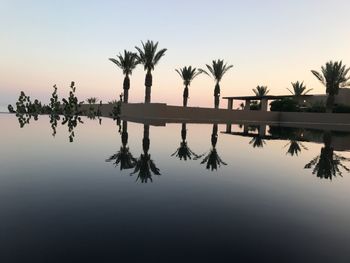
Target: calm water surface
x: 282, y: 196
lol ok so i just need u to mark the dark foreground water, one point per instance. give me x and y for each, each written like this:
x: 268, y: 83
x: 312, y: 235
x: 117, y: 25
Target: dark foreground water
x: 283, y: 196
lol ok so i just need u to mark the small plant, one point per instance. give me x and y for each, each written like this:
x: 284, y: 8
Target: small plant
x: 92, y: 100
x: 10, y: 109
x: 113, y: 102
x: 71, y: 105
x: 55, y: 105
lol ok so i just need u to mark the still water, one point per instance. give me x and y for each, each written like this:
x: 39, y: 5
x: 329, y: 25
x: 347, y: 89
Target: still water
x: 186, y: 193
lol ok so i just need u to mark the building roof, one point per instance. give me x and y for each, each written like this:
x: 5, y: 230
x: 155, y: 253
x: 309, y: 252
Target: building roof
x: 269, y: 97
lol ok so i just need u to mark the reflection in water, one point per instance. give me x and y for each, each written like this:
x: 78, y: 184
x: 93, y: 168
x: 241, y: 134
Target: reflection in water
x: 184, y: 151
x: 328, y: 164
x: 212, y: 159
x: 24, y: 118
x: 145, y: 166
x: 123, y: 156
x: 94, y: 113
x: 257, y: 142
x: 294, y: 147
x: 72, y: 122
x: 54, y: 118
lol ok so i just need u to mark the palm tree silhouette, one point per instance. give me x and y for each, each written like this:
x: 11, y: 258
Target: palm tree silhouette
x: 294, y: 147
x: 217, y: 71
x: 184, y: 152
x: 261, y: 91
x: 257, y: 142
x: 334, y: 76
x: 149, y: 58
x: 127, y: 63
x: 328, y: 164
x: 299, y: 89
x: 212, y: 159
x: 187, y: 74
x: 145, y: 166
x: 123, y: 156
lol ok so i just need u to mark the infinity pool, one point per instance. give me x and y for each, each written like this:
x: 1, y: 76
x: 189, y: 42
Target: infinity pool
x: 187, y: 192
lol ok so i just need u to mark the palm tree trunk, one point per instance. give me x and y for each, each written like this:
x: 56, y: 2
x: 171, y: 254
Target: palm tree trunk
x: 145, y: 140
x: 125, y: 133
x: 185, y: 96
x: 216, y: 96
x: 183, y: 132
x: 214, y: 135
x: 126, y: 87
x: 216, y: 102
x: 330, y: 103
x: 148, y: 84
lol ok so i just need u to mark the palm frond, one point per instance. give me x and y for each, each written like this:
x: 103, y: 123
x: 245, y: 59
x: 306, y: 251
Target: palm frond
x: 148, y: 55
x: 127, y: 62
x: 261, y: 91
x: 188, y: 74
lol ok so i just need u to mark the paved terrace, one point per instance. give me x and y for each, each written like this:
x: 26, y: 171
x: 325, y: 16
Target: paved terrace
x: 161, y: 113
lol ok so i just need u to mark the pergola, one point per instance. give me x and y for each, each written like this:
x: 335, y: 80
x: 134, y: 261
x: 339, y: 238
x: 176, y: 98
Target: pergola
x: 263, y: 99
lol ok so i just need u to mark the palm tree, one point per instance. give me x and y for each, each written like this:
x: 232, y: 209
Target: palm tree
x: 184, y: 152
x: 123, y: 156
x: 149, y: 58
x: 145, y: 166
x: 328, y: 164
x: 299, y: 89
x: 217, y: 71
x: 127, y: 63
x: 334, y: 76
x: 212, y: 159
x: 187, y: 74
x: 261, y: 91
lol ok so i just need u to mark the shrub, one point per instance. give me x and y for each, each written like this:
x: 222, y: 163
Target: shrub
x: 255, y: 105
x: 341, y: 109
x: 285, y: 104
x: 316, y: 107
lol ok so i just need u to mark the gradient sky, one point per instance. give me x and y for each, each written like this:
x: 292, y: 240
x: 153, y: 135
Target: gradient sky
x: 269, y: 43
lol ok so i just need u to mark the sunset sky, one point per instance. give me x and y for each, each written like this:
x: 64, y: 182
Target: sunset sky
x: 269, y: 43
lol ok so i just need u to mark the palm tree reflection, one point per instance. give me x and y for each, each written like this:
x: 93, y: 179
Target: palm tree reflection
x: 212, y: 159
x: 294, y: 147
x: 184, y: 152
x: 328, y: 164
x: 123, y: 157
x: 257, y: 142
x: 145, y: 166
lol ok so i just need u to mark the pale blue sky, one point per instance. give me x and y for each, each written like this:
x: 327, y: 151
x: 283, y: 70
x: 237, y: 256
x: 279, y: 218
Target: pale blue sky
x: 268, y: 42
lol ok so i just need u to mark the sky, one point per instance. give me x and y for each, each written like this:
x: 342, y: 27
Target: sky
x: 268, y: 42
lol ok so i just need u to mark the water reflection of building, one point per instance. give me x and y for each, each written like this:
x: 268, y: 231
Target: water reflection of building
x: 327, y: 165
x: 340, y: 140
